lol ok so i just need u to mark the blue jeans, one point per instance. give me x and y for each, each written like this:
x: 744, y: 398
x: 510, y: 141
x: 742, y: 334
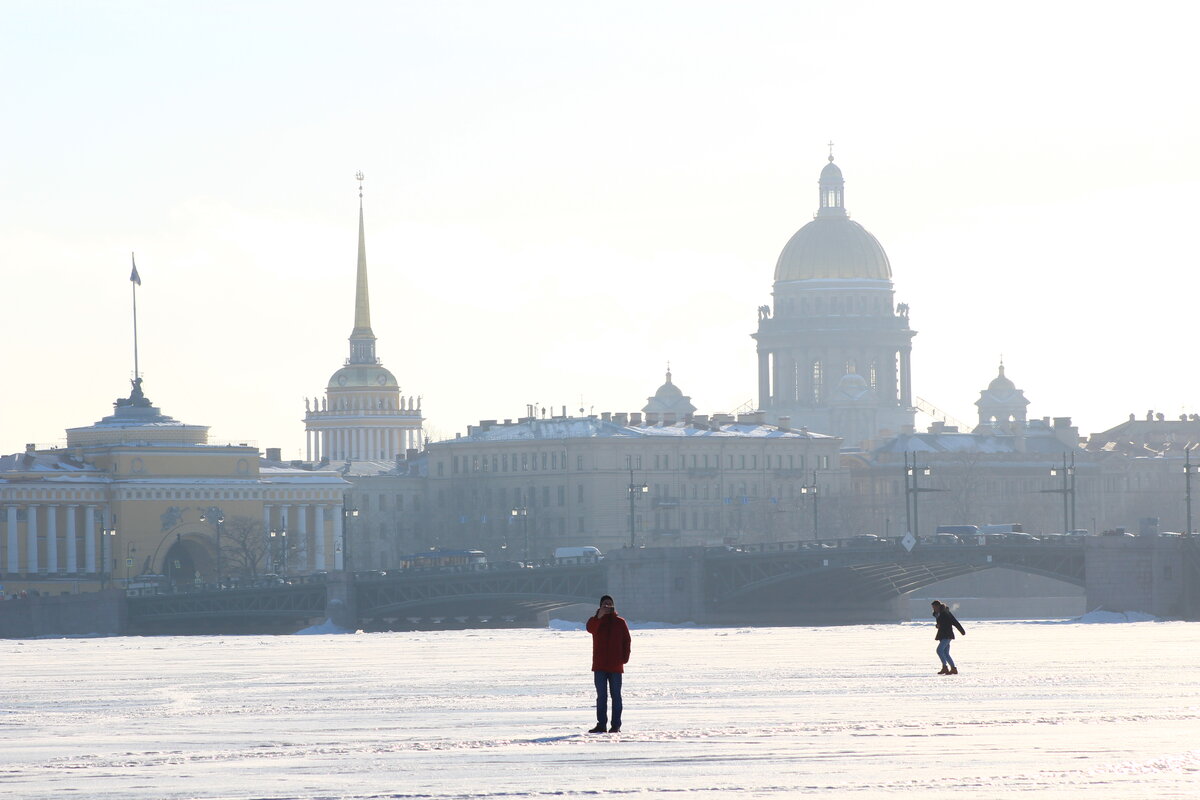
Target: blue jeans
x: 943, y: 651
x: 606, y: 681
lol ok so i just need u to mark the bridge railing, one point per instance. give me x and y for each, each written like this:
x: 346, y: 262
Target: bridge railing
x: 868, y: 541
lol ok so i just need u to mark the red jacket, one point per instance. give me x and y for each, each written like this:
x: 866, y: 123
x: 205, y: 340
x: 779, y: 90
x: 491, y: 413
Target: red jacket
x: 610, y: 643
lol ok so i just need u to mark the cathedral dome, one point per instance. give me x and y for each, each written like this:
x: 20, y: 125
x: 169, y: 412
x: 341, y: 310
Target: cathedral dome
x: 1001, y: 384
x: 832, y: 247
x: 363, y: 376
x: 832, y: 173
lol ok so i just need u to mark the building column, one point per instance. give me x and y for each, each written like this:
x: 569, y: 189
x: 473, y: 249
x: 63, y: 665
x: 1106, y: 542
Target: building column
x: 906, y: 377
x: 285, y: 523
x: 764, y: 379
x: 72, y: 546
x: 31, y: 540
x: 51, y: 539
x: 89, y: 539
x: 319, y: 533
x: 302, y: 532
x: 14, y: 546
x: 339, y: 536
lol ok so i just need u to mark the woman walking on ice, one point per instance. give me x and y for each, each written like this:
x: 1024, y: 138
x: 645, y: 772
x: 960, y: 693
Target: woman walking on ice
x: 946, y: 623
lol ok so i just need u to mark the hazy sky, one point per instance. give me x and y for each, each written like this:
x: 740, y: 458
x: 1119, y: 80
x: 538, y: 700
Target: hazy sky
x: 563, y: 197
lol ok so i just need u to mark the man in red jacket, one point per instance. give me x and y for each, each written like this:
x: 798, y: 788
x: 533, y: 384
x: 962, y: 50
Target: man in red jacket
x: 610, y: 654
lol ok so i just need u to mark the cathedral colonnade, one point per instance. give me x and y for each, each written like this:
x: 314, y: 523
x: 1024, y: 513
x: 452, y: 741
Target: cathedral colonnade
x: 361, y: 443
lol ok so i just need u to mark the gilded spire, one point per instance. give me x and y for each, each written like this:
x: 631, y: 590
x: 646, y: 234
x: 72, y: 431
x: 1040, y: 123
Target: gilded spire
x: 362, y: 339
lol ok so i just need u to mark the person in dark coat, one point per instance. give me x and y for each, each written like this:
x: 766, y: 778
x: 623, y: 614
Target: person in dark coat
x: 946, y: 623
x: 610, y: 654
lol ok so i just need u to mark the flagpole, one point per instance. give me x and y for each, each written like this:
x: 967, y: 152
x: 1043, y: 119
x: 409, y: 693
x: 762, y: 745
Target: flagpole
x: 134, y: 281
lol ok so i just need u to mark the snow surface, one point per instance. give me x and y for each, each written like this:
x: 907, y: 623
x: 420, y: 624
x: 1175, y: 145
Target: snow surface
x: 1065, y: 710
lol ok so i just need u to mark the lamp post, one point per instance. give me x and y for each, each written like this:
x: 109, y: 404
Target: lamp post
x: 1189, y: 469
x: 812, y: 491
x: 216, y: 516
x: 636, y: 490
x: 280, y: 536
x: 1067, y: 491
x: 130, y: 549
x: 912, y: 490
x: 107, y: 543
x: 347, y: 515
x: 522, y: 513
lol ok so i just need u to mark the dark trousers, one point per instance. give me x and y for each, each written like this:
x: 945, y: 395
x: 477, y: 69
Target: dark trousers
x: 607, y: 682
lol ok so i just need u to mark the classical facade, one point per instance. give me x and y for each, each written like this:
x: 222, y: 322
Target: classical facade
x: 363, y: 416
x: 834, y: 350
x: 519, y: 489
x: 141, y: 493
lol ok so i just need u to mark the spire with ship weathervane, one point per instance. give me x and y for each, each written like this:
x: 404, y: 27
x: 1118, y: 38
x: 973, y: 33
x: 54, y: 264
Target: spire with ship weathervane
x: 362, y: 339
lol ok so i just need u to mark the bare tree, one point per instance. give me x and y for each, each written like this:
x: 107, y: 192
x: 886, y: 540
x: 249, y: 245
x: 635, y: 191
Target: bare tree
x: 243, y: 546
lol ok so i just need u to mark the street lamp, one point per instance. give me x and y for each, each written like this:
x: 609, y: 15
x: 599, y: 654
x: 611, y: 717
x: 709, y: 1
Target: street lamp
x: 347, y: 515
x: 216, y: 516
x: 1067, y: 491
x: 636, y: 490
x: 813, y: 491
x: 1189, y: 469
x: 106, y: 547
x: 523, y: 513
x: 281, y: 537
x: 130, y: 549
x: 912, y: 491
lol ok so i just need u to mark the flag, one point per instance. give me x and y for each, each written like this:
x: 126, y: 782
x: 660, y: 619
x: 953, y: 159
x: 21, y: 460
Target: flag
x: 133, y: 276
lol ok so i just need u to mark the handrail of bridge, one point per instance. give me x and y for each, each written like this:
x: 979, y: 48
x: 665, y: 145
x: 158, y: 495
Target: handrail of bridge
x: 857, y: 542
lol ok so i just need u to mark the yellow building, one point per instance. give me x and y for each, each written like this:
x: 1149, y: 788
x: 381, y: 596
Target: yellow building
x: 139, y: 493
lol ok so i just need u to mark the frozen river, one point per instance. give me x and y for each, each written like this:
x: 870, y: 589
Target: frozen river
x: 1041, y: 709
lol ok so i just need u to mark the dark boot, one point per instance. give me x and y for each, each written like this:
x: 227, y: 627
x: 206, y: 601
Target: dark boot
x: 953, y: 670
x: 598, y: 729
x: 945, y: 670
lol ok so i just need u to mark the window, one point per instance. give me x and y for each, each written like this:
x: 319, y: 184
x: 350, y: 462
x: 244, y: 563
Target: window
x: 579, y: 493
x: 455, y: 464
x: 818, y: 382
x: 524, y: 462
x: 562, y: 495
x: 578, y: 462
x: 441, y: 470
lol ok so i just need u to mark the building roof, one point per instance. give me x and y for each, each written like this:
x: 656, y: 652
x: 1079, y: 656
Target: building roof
x: 592, y: 428
x: 1034, y: 440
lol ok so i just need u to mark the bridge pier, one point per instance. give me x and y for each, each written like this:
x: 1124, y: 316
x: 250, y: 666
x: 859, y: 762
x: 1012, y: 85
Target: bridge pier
x: 341, y: 602
x: 660, y: 584
x: 1152, y: 574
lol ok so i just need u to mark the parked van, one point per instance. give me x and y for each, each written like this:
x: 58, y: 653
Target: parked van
x: 570, y: 555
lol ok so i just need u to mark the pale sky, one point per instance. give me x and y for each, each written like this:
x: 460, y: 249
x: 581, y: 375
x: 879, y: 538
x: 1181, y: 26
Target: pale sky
x: 562, y: 197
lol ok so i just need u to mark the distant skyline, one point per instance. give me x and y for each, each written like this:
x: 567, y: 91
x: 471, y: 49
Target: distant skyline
x: 561, y: 198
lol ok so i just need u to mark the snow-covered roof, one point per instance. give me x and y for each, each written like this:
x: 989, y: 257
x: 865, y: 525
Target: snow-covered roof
x: 591, y: 428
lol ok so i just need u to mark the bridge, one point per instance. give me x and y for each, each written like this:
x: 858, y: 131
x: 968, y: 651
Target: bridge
x: 807, y: 572
x: 779, y: 583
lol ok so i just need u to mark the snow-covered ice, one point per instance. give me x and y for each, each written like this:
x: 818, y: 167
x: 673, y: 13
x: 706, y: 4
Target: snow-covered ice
x: 1064, y: 710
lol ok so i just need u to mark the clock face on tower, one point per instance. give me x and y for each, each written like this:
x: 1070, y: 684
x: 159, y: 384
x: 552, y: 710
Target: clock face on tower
x: 381, y: 380
x: 341, y: 380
